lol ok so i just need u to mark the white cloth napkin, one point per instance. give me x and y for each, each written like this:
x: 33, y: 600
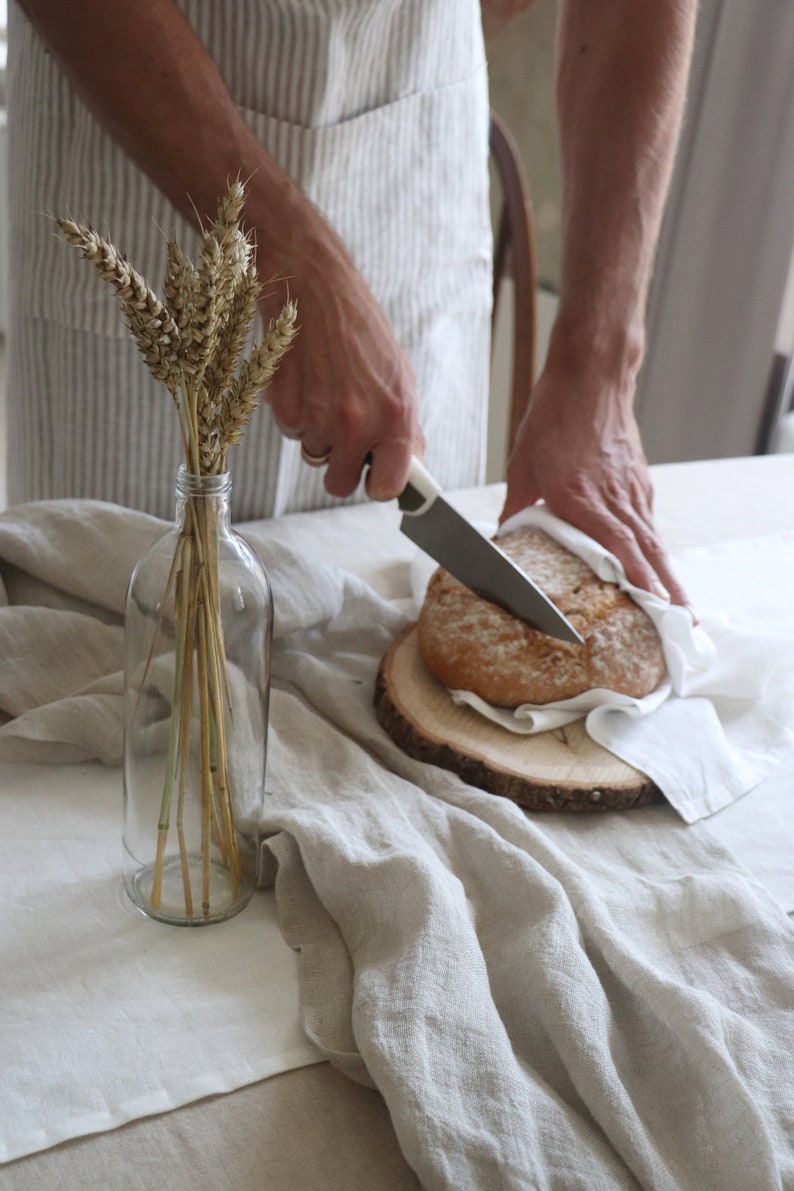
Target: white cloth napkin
x: 721, y: 719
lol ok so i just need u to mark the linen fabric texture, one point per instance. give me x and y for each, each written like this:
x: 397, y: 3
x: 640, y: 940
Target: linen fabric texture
x: 540, y: 1002
x: 392, y: 153
x: 724, y: 701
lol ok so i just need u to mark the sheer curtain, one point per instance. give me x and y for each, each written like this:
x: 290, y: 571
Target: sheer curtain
x: 3, y: 166
x: 720, y: 280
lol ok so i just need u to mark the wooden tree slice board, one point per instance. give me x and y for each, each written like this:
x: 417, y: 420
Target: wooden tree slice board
x: 559, y: 770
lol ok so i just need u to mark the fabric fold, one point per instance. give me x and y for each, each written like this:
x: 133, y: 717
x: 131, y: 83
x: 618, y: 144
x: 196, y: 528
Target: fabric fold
x: 529, y: 1019
x: 65, y: 567
x: 604, y: 1003
x: 724, y: 703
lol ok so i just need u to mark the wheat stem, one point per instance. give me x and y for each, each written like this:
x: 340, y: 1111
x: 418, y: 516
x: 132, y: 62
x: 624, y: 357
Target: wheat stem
x: 192, y: 342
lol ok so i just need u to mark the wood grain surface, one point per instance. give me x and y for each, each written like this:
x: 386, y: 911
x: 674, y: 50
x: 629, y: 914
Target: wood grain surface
x: 559, y: 770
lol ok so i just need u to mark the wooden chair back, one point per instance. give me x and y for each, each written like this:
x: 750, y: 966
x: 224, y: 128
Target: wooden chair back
x: 515, y: 256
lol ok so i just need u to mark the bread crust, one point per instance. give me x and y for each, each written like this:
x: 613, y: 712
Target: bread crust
x: 471, y: 644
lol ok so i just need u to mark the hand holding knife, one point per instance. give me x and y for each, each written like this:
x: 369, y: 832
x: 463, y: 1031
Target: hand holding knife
x: 474, y: 560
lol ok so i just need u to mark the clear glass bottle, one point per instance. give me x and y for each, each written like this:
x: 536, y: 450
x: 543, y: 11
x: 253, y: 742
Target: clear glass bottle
x: 198, y: 633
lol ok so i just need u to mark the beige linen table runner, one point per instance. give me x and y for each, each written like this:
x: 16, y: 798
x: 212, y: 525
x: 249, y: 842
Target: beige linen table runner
x: 606, y: 1004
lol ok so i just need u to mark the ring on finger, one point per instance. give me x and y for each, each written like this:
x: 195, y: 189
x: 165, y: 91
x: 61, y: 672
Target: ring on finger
x: 315, y: 460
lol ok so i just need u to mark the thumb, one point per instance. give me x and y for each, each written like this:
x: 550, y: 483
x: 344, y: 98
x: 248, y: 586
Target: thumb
x: 516, y: 500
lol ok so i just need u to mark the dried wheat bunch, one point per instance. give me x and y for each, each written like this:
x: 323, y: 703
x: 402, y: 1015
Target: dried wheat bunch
x: 192, y: 341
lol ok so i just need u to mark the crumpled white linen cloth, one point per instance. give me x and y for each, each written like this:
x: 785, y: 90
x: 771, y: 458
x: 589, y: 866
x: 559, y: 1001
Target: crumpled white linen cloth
x: 719, y: 722
x: 541, y: 1003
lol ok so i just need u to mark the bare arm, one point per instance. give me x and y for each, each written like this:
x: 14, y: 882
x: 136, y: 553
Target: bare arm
x: 497, y: 13
x: 622, y: 73
x: 147, y: 78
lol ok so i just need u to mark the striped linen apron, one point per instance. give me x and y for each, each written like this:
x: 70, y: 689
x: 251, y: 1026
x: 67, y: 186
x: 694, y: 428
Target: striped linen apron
x: 379, y: 110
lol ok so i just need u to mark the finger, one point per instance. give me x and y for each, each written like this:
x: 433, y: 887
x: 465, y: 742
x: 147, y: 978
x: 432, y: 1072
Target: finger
x: 640, y: 523
x: 516, y: 501
x: 387, y: 469
x: 345, y: 466
x: 390, y: 464
x: 314, y: 458
x: 291, y: 432
x: 612, y: 532
x: 660, y: 562
x: 620, y: 541
x: 520, y: 494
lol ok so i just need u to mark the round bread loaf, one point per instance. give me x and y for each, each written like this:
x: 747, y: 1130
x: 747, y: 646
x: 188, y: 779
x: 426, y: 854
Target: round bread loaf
x: 471, y: 644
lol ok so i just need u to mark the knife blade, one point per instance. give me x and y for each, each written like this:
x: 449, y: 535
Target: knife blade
x: 477, y: 562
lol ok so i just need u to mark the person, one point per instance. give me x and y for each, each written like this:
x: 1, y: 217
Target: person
x: 361, y: 131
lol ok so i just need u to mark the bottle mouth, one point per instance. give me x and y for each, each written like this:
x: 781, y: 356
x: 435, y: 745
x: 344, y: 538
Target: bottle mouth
x: 189, y: 484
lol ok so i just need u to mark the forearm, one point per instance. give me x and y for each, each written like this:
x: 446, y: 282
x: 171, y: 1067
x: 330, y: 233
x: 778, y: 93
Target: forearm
x: 622, y: 75
x: 146, y: 77
x: 144, y: 74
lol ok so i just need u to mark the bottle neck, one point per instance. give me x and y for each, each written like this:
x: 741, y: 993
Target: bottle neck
x: 210, y: 496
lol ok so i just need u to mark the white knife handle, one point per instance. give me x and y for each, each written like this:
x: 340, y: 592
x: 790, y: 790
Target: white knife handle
x: 420, y: 491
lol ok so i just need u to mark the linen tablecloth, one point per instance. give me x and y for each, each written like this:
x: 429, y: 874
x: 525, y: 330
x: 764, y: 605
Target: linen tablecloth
x: 604, y: 1003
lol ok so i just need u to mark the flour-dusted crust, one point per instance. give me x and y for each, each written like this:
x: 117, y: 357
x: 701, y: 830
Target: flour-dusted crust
x: 471, y: 644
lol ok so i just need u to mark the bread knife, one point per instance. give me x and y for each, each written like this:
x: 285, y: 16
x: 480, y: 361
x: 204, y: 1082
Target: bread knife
x: 474, y: 560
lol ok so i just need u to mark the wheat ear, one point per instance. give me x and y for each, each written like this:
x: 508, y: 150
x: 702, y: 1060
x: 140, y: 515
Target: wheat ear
x: 243, y: 394
x: 153, y: 328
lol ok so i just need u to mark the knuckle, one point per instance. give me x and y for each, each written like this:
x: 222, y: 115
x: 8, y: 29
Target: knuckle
x: 352, y: 420
x: 623, y: 534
